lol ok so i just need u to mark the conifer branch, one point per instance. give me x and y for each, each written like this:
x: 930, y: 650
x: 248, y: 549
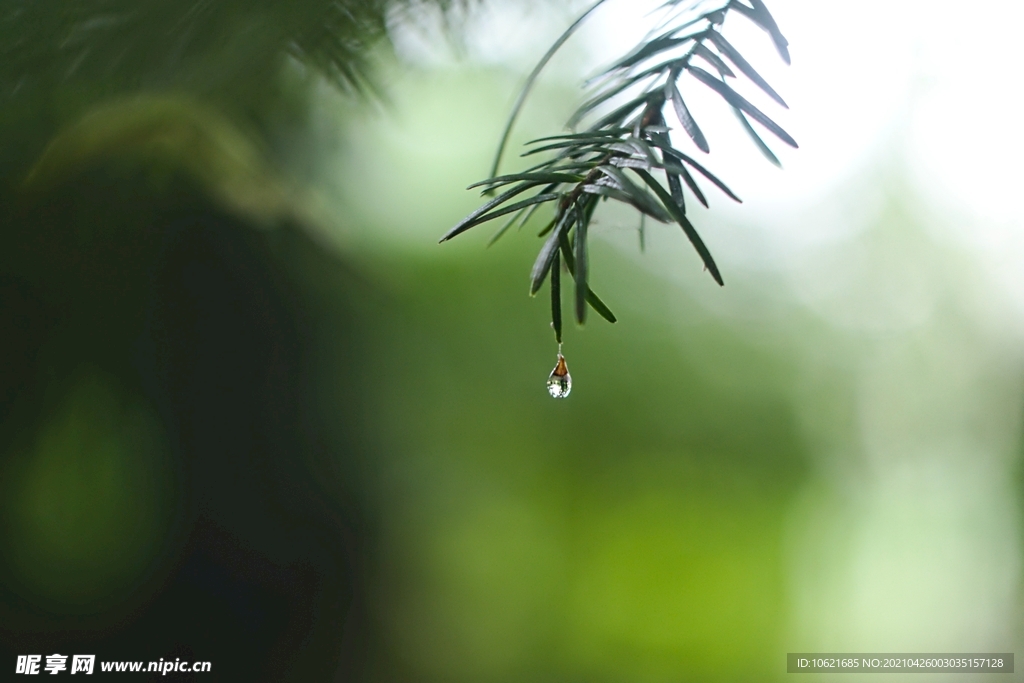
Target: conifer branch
x: 619, y: 141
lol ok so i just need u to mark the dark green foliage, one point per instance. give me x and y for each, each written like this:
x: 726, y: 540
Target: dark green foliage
x: 197, y: 44
x: 136, y: 262
x: 253, y: 61
x: 620, y: 139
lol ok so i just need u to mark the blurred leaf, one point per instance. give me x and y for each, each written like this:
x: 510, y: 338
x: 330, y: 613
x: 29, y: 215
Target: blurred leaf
x: 759, y: 15
x: 711, y: 58
x: 184, y: 135
x: 607, y: 94
x: 683, y: 114
x: 738, y: 101
x: 617, y: 116
x: 532, y: 79
x: 648, y: 49
x: 505, y: 226
x: 743, y: 65
x: 548, y: 227
x: 208, y: 49
x: 684, y: 223
x: 761, y: 146
x: 706, y: 173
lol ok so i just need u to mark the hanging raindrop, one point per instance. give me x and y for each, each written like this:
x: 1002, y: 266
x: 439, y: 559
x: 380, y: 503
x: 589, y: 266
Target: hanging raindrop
x: 559, y: 381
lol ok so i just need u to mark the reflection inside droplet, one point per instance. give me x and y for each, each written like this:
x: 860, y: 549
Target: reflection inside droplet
x: 559, y: 381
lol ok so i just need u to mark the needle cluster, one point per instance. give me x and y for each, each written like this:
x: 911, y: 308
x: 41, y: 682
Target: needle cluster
x: 619, y: 147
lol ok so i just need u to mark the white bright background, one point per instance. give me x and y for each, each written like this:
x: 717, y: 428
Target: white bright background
x: 897, y: 225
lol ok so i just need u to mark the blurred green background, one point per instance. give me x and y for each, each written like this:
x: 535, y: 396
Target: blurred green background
x: 253, y: 414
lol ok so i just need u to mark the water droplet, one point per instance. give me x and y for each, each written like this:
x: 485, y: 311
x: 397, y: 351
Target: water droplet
x: 559, y: 381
